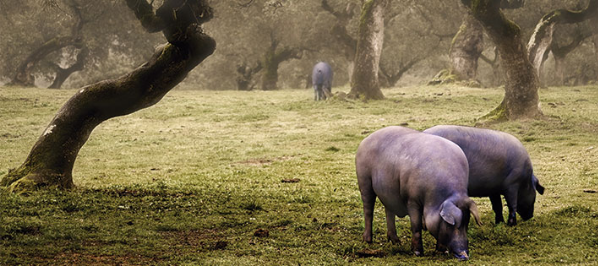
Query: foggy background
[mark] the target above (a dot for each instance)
(418, 36)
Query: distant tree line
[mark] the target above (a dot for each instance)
(271, 44)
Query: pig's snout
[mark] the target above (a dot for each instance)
(462, 256)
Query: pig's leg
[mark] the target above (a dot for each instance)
(415, 215)
(368, 196)
(497, 208)
(327, 91)
(511, 198)
(391, 228)
(315, 92)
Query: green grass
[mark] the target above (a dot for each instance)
(190, 180)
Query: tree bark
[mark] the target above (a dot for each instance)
(392, 78)
(497, 77)
(245, 75)
(272, 60)
(24, 73)
(560, 54)
(348, 44)
(521, 89)
(466, 48)
(51, 159)
(595, 41)
(339, 30)
(369, 47)
(541, 39)
(594, 31)
(62, 74)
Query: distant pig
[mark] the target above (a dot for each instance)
(498, 165)
(322, 81)
(419, 175)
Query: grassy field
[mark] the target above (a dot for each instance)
(202, 179)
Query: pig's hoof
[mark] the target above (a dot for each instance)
(393, 239)
(418, 253)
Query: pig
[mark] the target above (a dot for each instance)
(420, 175)
(498, 165)
(322, 80)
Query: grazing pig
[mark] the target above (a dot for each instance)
(419, 175)
(322, 81)
(498, 165)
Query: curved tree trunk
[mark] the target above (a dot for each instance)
(497, 77)
(466, 49)
(559, 62)
(594, 31)
(245, 75)
(560, 54)
(270, 75)
(24, 74)
(521, 89)
(369, 47)
(51, 159)
(541, 39)
(392, 78)
(348, 44)
(62, 74)
(595, 41)
(272, 60)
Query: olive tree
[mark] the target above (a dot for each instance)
(541, 40)
(50, 161)
(521, 98)
(369, 48)
(70, 42)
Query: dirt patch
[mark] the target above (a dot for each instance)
(90, 259)
(261, 233)
(264, 161)
(209, 239)
(367, 253)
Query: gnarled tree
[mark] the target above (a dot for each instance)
(245, 75)
(521, 98)
(466, 48)
(274, 56)
(369, 48)
(595, 39)
(52, 157)
(560, 52)
(64, 73)
(541, 40)
(24, 74)
(346, 42)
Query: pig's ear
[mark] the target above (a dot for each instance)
(450, 213)
(537, 185)
(474, 211)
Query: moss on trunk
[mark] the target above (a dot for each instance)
(521, 89)
(365, 82)
(466, 48)
(50, 162)
(541, 39)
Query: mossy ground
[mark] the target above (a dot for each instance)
(190, 180)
